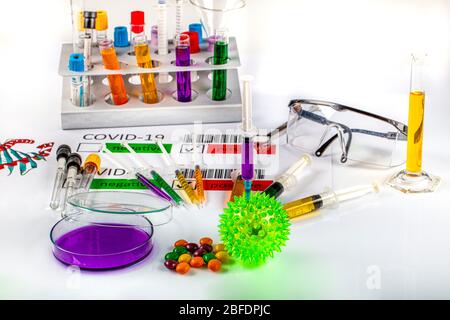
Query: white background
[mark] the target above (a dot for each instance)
(353, 52)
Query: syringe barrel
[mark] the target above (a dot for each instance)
(162, 28)
(247, 166)
(247, 103)
(291, 177)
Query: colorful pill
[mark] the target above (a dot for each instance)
(219, 247)
(197, 262)
(180, 250)
(200, 252)
(207, 247)
(171, 256)
(180, 243)
(192, 247)
(185, 258)
(214, 265)
(182, 268)
(170, 264)
(206, 240)
(222, 256)
(208, 257)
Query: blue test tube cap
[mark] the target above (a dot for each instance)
(197, 27)
(76, 62)
(121, 37)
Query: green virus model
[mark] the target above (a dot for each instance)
(252, 230)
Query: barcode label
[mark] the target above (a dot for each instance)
(214, 138)
(225, 174)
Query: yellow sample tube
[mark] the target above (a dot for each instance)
(415, 131)
(144, 60)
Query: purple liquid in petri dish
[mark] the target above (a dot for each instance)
(183, 59)
(102, 247)
(247, 169)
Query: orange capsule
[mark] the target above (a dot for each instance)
(183, 268)
(180, 243)
(197, 262)
(214, 265)
(206, 240)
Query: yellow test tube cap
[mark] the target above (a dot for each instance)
(94, 159)
(80, 21)
(101, 23)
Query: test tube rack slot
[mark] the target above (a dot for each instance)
(168, 111)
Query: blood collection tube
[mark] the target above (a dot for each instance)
(80, 31)
(144, 60)
(101, 26)
(116, 82)
(137, 27)
(288, 179)
(62, 154)
(183, 59)
(73, 167)
(80, 86)
(219, 89)
(91, 167)
(90, 18)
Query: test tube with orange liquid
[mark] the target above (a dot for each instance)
(116, 82)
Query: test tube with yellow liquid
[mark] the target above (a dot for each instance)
(413, 179)
(144, 60)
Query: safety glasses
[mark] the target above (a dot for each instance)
(320, 126)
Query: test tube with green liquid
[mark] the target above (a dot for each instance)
(219, 90)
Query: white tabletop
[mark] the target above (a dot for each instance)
(387, 246)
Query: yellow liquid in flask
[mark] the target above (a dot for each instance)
(415, 131)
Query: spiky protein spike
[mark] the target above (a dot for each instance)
(253, 230)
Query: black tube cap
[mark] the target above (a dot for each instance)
(63, 151)
(89, 19)
(74, 161)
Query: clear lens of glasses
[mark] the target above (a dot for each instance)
(367, 145)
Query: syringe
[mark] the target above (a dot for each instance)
(162, 36)
(62, 154)
(288, 179)
(305, 206)
(73, 169)
(90, 168)
(190, 194)
(139, 176)
(160, 182)
(247, 167)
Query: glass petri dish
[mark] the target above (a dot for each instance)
(105, 230)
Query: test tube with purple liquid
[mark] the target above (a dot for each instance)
(183, 59)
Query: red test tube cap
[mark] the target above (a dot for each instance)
(137, 21)
(193, 37)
